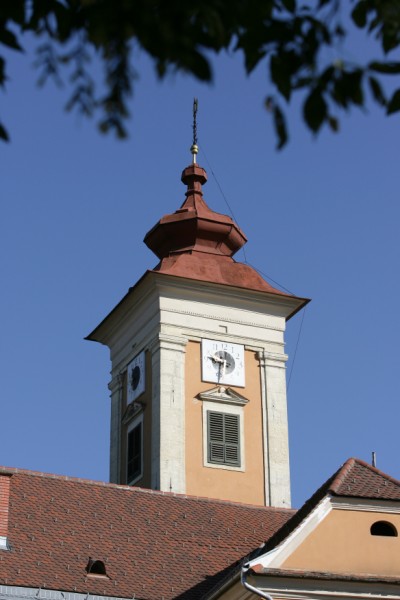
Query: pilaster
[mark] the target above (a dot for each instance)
(275, 428)
(168, 401)
(115, 387)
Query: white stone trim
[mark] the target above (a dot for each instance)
(358, 504)
(115, 387)
(227, 319)
(230, 410)
(265, 436)
(273, 359)
(275, 428)
(292, 588)
(223, 394)
(168, 413)
(277, 556)
(3, 542)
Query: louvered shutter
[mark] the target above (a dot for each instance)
(231, 431)
(223, 438)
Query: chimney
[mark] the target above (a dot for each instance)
(4, 504)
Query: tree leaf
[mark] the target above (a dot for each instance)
(389, 68)
(394, 103)
(3, 76)
(315, 110)
(4, 134)
(280, 127)
(352, 82)
(359, 14)
(9, 39)
(333, 123)
(377, 91)
(280, 76)
(14, 10)
(290, 5)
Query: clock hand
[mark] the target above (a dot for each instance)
(216, 359)
(219, 371)
(223, 368)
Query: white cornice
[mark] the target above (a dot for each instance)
(366, 505)
(317, 588)
(228, 319)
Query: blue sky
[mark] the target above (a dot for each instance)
(322, 219)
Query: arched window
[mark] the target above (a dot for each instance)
(96, 567)
(383, 528)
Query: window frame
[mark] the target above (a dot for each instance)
(229, 409)
(137, 422)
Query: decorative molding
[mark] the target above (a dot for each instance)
(358, 504)
(132, 410)
(177, 343)
(227, 319)
(115, 384)
(272, 359)
(224, 395)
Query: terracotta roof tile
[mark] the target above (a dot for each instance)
(358, 479)
(153, 544)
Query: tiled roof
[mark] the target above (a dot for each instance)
(153, 544)
(358, 479)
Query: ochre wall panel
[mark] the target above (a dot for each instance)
(342, 543)
(239, 486)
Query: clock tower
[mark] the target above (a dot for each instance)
(198, 386)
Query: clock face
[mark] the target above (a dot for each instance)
(136, 377)
(222, 362)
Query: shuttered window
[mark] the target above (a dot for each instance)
(134, 458)
(223, 435)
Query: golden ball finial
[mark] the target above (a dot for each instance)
(194, 149)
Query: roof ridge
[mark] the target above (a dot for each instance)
(340, 475)
(343, 472)
(135, 489)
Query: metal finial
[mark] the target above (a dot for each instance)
(194, 148)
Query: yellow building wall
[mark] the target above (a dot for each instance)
(342, 543)
(239, 486)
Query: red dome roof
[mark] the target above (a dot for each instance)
(195, 227)
(197, 243)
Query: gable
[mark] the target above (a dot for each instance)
(342, 543)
